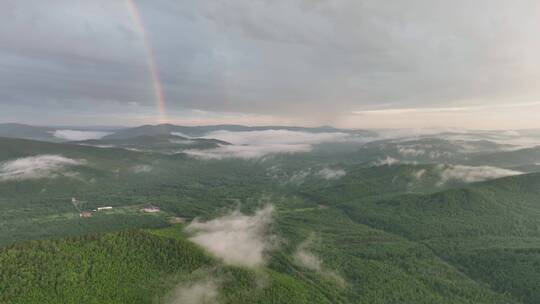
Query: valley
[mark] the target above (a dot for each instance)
(345, 225)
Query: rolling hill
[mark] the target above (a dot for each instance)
(15, 130)
(343, 229)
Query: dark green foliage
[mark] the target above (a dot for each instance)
(132, 267)
(129, 267)
(513, 271)
(380, 234)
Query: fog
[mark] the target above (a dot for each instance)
(470, 174)
(199, 292)
(35, 167)
(258, 144)
(236, 238)
(74, 135)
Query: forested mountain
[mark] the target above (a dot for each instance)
(340, 222)
(15, 130)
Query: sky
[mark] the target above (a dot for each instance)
(345, 63)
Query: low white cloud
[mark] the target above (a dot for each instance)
(257, 144)
(247, 152)
(99, 146)
(328, 173)
(41, 166)
(306, 258)
(417, 150)
(471, 174)
(142, 169)
(276, 137)
(411, 133)
(299, 177)
(79, 135)
(182, 141)
(410, 152)
(180, 134)
(509, 141)
(439, 154)
(388, 161)
(201, 292)
(236, 238)
(418, 174)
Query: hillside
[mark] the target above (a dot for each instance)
(342, 230)
(132, 267)
(522, 158)
(146, 267)
(15, 130)
(489, 230)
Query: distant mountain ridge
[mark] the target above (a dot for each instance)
(16, 130)
(47, 133)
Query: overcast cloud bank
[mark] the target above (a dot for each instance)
(237, 238)
(34, 167)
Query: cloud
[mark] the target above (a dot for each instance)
(411, 133)
(236, 238)
(341, 56)
(35, 167)
(445, 110)
(278, 136)
(246, 152)
(182, 141)
(79, 135)
(258, 144)
(408, 151)
(201, 292)
(299, 177)
(305, 258)
(418, 174)
(142, 169)
(471, 174)
(388, 161)
(328, 173)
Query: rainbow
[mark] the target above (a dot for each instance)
(151, 61)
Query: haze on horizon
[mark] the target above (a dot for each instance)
(346, 63)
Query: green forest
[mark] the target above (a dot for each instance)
(391, 233)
